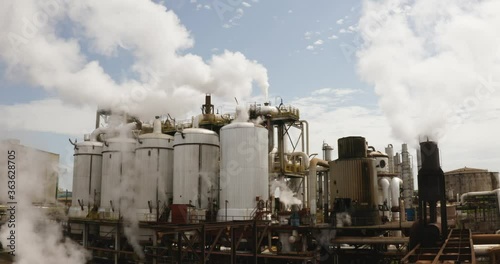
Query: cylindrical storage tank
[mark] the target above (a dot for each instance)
(352, 147)
(196, 167)
(327, 152)
(244, 170)
(356, 179)
(87, 172)
(118, 160)
(155, 168)
(381, 161)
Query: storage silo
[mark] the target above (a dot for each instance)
(244, 170)
(87, 174)
(118, 159)
(154, 167)
(196, 168)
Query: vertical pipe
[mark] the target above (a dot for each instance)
(155, 244)
(179, 247)
(255, 243)
(97, 119)
(117, 243)
(320, 190)
(307, 136)
(203, 242)
(302, 136)
(85, 235)
(270, 136)
(281, 147)
(233, 245)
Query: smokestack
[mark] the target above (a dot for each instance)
(208, 107)
(389, 150)
(406, 177)
(431, 187)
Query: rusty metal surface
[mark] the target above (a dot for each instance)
(457, 248)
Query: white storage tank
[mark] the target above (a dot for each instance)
(381, 160)
(154, 166)
(118, 159)
(196, 167)
(244, 170)
(87, 173)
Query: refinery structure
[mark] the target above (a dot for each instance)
(243, 188)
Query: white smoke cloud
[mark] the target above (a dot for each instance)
(36, 238)
(48, 45)
(286, 195)
(432, 63)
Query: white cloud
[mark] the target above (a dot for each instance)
(325, 110)
(214, 49)
(340, 21)
(161, 68)
(333, 37)
(342, 31)
(48, 115)
(310, 47)
(290, 11)
(318, 42)
(245, 4)
(208, 7)
(336, 92)
(308, 35)
(470, 146)
(444, 55)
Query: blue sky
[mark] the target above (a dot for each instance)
(310, 51)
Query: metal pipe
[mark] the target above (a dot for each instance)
(496, 191)
(307, 132)
(395, 193)
(272, 154)
(304, 158)
(94, 136)
(311, 185)
(482, 239)
(384, 184)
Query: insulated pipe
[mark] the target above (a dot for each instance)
(482, 239)
(312, 185)
(384, 184)
(395, 192)
(272, 154)
(99, 131)
(304, 158)
(496, 191)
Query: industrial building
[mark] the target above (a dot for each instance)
(34, 166)
(466, 180)
(242, 187)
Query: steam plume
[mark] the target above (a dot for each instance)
(431, 62)
(286, 195)
(60, 45)
(37, 239)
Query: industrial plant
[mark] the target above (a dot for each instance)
(243, 187)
